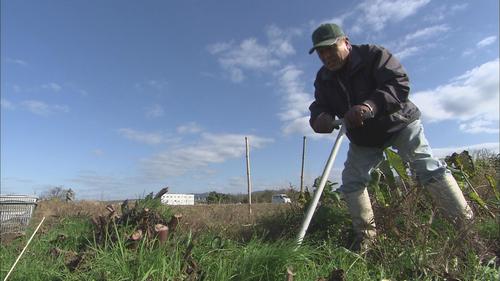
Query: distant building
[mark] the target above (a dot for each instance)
(177, 199)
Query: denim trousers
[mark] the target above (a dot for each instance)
(412, 147)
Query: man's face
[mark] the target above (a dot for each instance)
(334, 56)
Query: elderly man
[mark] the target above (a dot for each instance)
(368, 87)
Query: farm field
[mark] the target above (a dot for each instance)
(145, 240)
(221, 242)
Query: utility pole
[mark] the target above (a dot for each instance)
(249, 183)
(302, 172)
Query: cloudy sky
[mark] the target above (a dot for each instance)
(117, 99)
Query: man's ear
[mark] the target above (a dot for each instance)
(347, 42)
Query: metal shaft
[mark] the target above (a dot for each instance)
(319, 190)
(24, 249)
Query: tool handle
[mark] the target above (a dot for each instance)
(366, 115)
(319, 189)
(338, 122)
(24, 249)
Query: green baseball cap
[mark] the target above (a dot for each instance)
(326, 35)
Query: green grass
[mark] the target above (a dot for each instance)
(412, 248)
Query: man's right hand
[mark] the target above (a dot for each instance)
(324, 123)
(356, 116)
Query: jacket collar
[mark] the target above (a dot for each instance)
(353, 65)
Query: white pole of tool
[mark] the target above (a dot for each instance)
(324, 178)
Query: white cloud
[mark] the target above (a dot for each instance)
(5, 104)
(425, 33)
(375, 14)
(83, 92)
(156, 84)
(486, 41)
(98, 152)
(251, 55)
(296, 100)
(235, 184)
(458, 7)
(219, 47)
(42, 108)
(407, 52)
(479, 45)
(142, 137)
(299, 126)
(438, 14)
(68, 87)
(468, 52)
(480, 125)
(95, 185)
(189, 128)
(17, 61)
(279, 40)
(446, 151)
(294, 113)
(210, 149)
(471, 99)
(418, 41)
(52, 87)
(154, 111)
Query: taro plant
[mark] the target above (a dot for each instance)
(463, 168)
(390, 179)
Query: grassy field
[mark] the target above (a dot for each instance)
(144, 240)
(222, 242)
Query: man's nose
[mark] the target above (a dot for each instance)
(325, 54)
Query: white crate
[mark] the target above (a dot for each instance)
(177, 199)
(16, 212)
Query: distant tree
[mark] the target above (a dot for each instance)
(236, 198)
(263, 196)
(58, 192)
(217, 198)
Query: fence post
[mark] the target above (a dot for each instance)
(249, 183)
(302, 171)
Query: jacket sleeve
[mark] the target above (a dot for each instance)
(392, 83)
(319, 104)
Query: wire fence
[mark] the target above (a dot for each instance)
(16, 212)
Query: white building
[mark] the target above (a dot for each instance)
(177, 199)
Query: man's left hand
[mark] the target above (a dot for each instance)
(356, 115)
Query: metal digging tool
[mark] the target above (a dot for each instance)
(324, 178)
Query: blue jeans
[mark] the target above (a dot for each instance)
(411, 145)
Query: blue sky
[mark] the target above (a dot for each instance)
(116, 99)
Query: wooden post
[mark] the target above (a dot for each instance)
(249, 183)
(302, 172)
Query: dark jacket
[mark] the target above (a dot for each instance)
(374, 76)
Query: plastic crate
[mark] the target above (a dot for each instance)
(16, 212)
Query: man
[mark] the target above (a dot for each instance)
(367, 86)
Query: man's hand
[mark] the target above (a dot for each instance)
(324, 123)
(356, 115)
